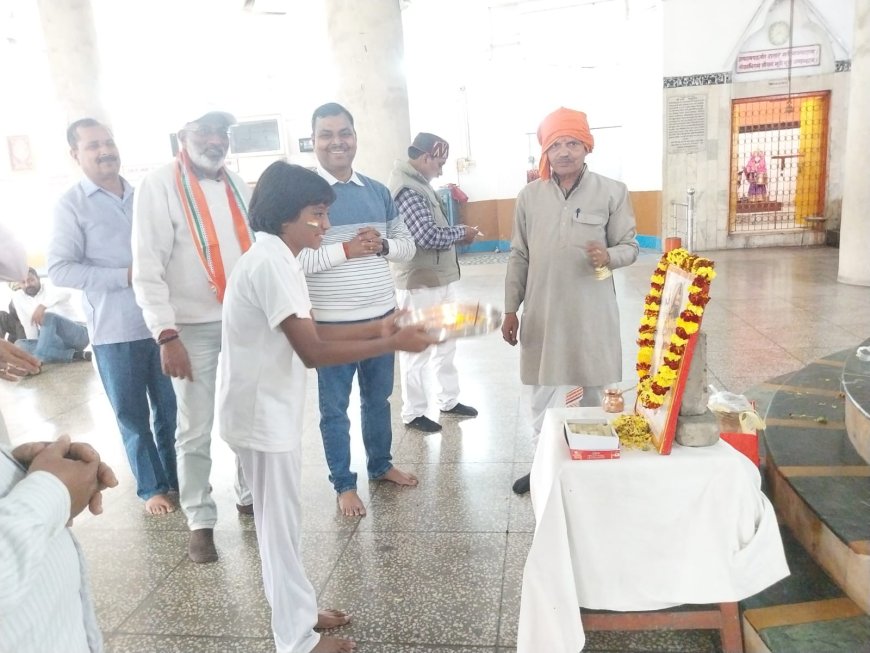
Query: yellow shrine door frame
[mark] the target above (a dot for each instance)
(779, 153)
(813, 153)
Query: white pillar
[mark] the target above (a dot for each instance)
(855, 220)
(73, 57)
(367, 46)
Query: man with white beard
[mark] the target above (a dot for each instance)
(190, 226)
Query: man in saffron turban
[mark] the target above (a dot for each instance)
(571, 227)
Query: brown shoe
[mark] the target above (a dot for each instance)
(200, 547)
(245, 509)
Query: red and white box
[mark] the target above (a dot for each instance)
(591, 439)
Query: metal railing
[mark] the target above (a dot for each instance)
(689, 205)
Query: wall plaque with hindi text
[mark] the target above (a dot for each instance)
(687, 123)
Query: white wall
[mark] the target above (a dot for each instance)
(481, 73)
(702, 36)
(198, 54)
(742, 25)
(163, 63)
(29, 109)
(501, 69)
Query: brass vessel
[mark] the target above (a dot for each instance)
(613, 401)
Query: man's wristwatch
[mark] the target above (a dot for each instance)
(385, 247)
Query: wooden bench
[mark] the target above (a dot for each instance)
(724, 617)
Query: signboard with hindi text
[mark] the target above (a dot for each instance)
(778, 59)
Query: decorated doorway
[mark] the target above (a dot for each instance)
(779, 151)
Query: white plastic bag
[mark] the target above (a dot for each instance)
(721, 401)
(730, 405)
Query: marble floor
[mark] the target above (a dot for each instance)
(432, 569)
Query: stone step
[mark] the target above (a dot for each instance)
(820, 486)
(804, 613)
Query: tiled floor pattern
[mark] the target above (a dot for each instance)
(432, 569)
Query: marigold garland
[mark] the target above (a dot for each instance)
(651, 391)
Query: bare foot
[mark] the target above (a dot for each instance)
(351, 505)
(331, 619)
(397, 476)
(159, 504)
(334, 645)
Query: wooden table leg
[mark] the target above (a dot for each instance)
(731, 630)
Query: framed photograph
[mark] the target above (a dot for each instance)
(675, 297)
(672, 317)
(20, 154)
(306, 145)
(257, 136)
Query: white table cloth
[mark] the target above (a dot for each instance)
(642, 532)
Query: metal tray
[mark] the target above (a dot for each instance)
(455, 320)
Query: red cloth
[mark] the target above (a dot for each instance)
(457, 193)
(562, 122)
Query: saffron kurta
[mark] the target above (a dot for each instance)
(569, 327)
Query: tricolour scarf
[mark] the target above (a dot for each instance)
(201, 224)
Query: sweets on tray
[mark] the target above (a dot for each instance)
(591, 439)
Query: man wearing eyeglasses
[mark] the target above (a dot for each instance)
(428, 279)
(571, 227)
(190, 226)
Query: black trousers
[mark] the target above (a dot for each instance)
(10, 324)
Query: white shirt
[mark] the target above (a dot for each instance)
(45, 600)
(55, 300)
(169, 280)
(332, 180)
(262, 379)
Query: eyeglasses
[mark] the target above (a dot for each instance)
(205, 131)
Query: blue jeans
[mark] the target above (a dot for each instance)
(59, 339)
(132, 378)
(375, 386)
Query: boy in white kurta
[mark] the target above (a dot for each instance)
(268, 340)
